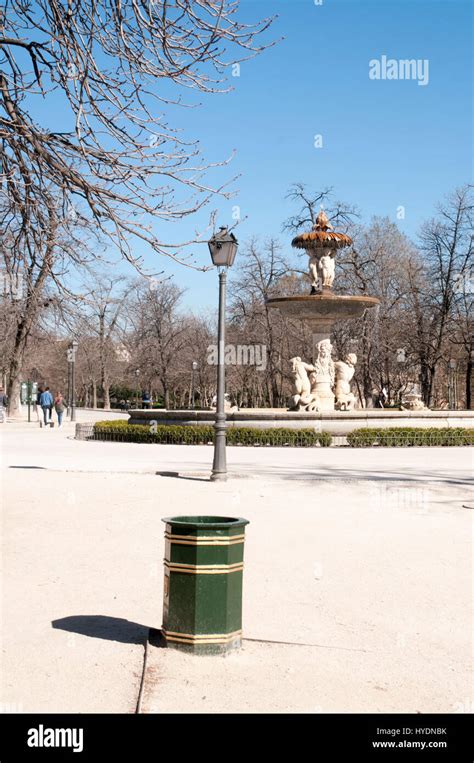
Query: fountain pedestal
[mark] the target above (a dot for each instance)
(320, 312)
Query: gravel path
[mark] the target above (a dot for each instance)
(361, 561)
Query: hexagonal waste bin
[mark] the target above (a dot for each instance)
(202, 601)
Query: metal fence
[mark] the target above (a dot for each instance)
(192, 435)
(202, 435)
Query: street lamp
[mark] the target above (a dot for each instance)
(223, 248)
(401, 356)
(452, 402)
(193, 370)
(68, 393)
(137, 375)
(71, 357)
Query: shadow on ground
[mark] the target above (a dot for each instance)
(101, 626)
(27, 467)
(180, 476)
(335, 473)
(352, 475)
(156, 638)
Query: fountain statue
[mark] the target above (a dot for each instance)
(323, 385)
(322, 258)
(302, 383)
(345, 370)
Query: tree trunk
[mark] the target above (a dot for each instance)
(94, 394)
(270, 392)
(30, 313)
(425, 383)
(431, 379)
(106, 394)
(13, 394)
(16, 364)
(469, 385)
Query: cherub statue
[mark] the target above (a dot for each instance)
(314, 271)
(322, 377)
(302, 383)
(322, 260)
(345, 370)
(323, 365)
(327, 267)
(322, 222)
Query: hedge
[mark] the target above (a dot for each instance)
(409, 437)
(202, 435)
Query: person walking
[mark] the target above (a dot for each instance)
(38, 404)
(46, 403)
(3, 405)
(59, 407)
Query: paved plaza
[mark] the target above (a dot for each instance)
(357, 582)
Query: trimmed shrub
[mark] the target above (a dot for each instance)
(121, 431)
(410, 437)
(362, 438)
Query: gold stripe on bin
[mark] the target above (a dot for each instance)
(204, 540)
(203, 638)
(204, 569)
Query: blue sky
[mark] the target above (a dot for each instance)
(386, 143)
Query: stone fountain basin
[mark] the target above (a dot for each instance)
(326, 306)
(335, 422)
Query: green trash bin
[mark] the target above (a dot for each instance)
(202, 597)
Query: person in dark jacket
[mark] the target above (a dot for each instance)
(3, 405)
(46, 403)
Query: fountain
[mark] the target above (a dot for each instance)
(322, 398)
(314, 382)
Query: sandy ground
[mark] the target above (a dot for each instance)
(359, 560)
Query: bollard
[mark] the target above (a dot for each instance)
(202, 597)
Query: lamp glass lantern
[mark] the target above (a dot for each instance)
(223, 248)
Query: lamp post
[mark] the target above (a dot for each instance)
(223, 248)
(452, 402)
(29, 390)
(401, 360)
(137, 376)
(71, 356)
(193, 370)
(68, 393)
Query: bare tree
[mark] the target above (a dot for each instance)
(33, 257)
(99, 319)
(259, 276)
(378, 263)
(159, 332)
(447, 242)
(119, 161)
(116, 162)
(463, 334)
(309, 204)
